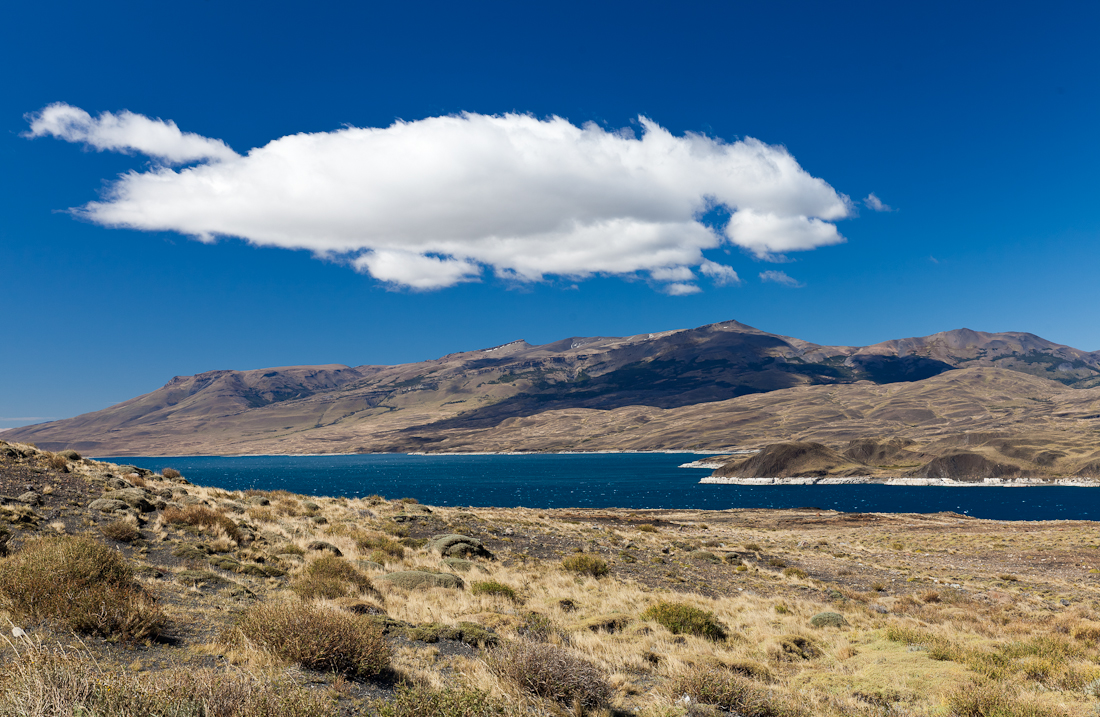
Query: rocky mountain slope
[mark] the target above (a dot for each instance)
(522, 397)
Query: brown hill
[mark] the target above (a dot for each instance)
(782, 460)
(706, 388)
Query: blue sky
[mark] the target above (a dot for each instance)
(975, 123)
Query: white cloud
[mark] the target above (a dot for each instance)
(416, 270)
(781, 278)
(431, 203)
(674, 273)
(720, 273)
(127, 132)
(876, 204)
(680, 289)
(767, 234)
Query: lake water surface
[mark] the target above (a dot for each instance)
(600, 480)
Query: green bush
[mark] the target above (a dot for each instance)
(471, 633)
(314, 637)
(494, 588)
(586, 564)
(549, 672)
(683, 619)
(331, 577)
(426, 702)
(81, 583)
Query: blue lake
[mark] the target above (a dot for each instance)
(615, 480)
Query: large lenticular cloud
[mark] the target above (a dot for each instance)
(431, 203)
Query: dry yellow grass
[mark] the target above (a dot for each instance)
(945, 633)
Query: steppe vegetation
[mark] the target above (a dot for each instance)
(126, 593)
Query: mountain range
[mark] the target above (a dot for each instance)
(711, 388)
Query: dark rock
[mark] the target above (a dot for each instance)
(109, 505)
(420, 579)
(320, 545)
(459, 546)
(134, 497)
(462, 566)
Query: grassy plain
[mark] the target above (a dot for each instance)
(269, 603)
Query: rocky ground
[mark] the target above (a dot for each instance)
(955, 582)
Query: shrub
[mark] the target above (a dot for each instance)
(681, 618)
(538, 627)
(331, 577)
(586, 564)
(796, 647)
(469, 632)
(427, 702)
(315, 637)
(492, 587)
(647, 528)
(58, 462)
(828, 619)
(380, 544)
(171, 473)
(82, 583)
(202, 517)
(796, 573)
(754, 547)
(121, 530)
(42, 682)
(549, 672)
(729, 691)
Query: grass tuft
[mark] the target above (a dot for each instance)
(81, 583)
(121, 530)
(314, 637)
(550, 672)
(585, 564)
(42, 682)
(330, 577)
(200, 516)
(730, 692)
(494, 588)
(427, 702)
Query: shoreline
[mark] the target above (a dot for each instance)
(935, 482)
(429, 455)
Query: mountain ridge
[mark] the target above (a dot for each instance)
(339, 408)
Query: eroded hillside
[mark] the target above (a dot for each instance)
(700, 389)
